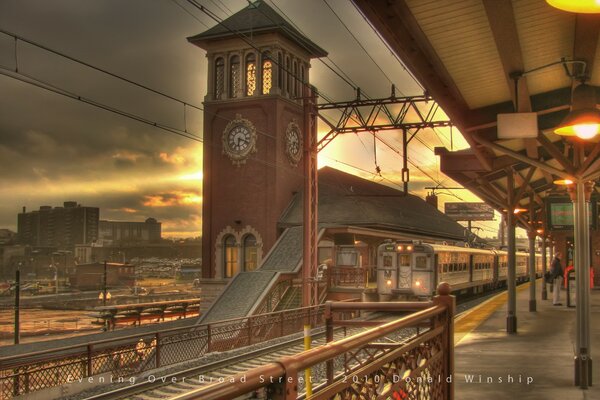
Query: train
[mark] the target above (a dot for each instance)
(411, 269)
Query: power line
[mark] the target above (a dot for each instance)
(190, 13)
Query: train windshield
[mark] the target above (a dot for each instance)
(404, 260)
(387, 261)
(347, 258)
(421, 262)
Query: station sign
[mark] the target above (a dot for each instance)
(560, 213)
(469, 211)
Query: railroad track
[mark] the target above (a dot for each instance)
(169, 385)
(166, 386)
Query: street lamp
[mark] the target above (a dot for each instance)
(584, 119)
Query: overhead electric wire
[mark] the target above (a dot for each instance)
(190, 13)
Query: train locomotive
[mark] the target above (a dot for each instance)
(407, 269)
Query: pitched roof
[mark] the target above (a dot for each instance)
(348, 200)
(258, 17)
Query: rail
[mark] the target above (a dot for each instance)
(134, 354)
(358, 277)
(373, 365)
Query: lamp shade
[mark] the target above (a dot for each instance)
(584, 119)
(576, 6)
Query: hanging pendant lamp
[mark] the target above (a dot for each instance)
(584, 119)
(576, 6)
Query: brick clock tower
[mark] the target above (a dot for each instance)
(253, 135)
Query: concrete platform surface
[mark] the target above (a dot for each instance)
(535, 363)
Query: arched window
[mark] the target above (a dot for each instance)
(250, 74)
(295, 81)
(267, 74)
(250, 250)
(288, 72)
(235, 81)
(219, 78)
(279, 71)
(302, 81)
(230, 258)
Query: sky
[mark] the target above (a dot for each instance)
(55, 149)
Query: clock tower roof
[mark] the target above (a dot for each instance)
(258, 17)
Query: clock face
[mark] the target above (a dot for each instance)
(239, 140)
(293, 143)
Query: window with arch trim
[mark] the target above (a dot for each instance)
(295, 81)
(288, 73)
(250, 251)
(267, 74)
(219, 78)
(235, 81)
(250, 74)
(230, 256)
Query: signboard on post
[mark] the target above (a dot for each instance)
(560, 213)
(469, 211)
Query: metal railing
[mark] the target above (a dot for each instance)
(135, 354)
(357, 277)
(365, 366)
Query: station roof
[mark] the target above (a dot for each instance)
(466, 54)
(348, 200)
(258, 17)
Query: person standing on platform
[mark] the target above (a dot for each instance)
(557, 273)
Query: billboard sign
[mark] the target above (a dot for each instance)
(469, 211)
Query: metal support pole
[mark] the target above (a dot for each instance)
(104, 283)
(17, 306)
(532, 302)
(583, 361)
(405, 171)
(511, 282)
(544, 269)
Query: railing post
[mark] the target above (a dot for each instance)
(249, 331)
(329, 338)
(90, 364)
(208, 339)
(157, 349)
(445, 299)
(281, 324)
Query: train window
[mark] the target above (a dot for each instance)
(387, 261)
(404, 260)
(420, 262)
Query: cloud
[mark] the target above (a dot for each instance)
(173, 198)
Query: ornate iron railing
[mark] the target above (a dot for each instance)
(368, 365)
(357, 277)
(274, 296)
(132, 355)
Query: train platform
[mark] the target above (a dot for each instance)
(535, 363)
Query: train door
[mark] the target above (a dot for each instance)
(387, 273)
(404, 272)
(423, 274)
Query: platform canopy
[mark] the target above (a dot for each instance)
(466, 53)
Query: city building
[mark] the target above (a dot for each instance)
(91, 276)
(127, 232)
(60, 227)
(7, 236)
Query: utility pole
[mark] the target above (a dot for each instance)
(17, 305)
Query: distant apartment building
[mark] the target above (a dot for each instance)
(59, 227)
(126, 232)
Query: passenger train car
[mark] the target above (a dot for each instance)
(409, 269)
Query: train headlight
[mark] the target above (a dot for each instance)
(389, 282)
(418, 283)
(400, 247)
(409, 248)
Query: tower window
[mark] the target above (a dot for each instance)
(267, 71)
(230, 258)
(302, 81)
(250, 74)
(219, 78)
(295, 92)
(279, 71)
(288, 72)
(250, 253)
(235, 82)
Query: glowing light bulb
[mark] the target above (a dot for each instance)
(586, 131)
(389, 282)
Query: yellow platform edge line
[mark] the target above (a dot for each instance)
(470, 320)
